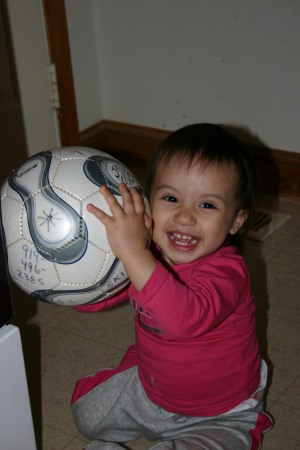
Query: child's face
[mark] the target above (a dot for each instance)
(193, 209)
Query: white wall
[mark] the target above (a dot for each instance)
(84, 61)
(166, 63)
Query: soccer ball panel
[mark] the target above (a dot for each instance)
(81, 153)
(67, 179)
(86, 271)
(28, 269)
(56, 229)
(97, 232)
(11, 219)
(74, 297)
(31, 176)
(51, 222)
(64, 196)
(113, 275)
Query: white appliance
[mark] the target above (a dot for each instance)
(16, 426)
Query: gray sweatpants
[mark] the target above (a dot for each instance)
(118, 411)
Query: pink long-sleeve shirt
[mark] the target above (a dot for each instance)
(196, 346)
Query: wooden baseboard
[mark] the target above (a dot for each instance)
(279, 170)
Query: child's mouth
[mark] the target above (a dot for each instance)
(182, 241)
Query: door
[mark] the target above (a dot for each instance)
(59, 53)
(33, 35)
(12, 136)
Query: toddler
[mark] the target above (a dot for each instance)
(194, 378)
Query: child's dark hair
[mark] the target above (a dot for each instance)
(208, 144)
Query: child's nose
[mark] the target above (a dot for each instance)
(185, 216)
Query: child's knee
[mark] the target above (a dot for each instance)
(84, 419)
(97, 401)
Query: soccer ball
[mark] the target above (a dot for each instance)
(57, 251)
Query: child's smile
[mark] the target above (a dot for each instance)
(183, 242)
(193, 209)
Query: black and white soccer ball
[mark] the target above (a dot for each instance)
(57, 251)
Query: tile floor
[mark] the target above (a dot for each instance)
(61, 345)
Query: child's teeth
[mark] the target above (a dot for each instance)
(183, 237)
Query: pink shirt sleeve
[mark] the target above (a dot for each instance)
(201, 299)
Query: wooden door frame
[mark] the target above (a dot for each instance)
(60, 55)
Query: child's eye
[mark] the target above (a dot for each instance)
(207, 205)
(170, 198)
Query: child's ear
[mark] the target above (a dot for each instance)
(239, 221)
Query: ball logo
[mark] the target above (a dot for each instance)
(120, 174)
(48, 219)
(24, 172)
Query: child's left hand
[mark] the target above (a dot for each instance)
(128, 229)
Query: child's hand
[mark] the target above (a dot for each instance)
(129, 228)
(128, 231)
